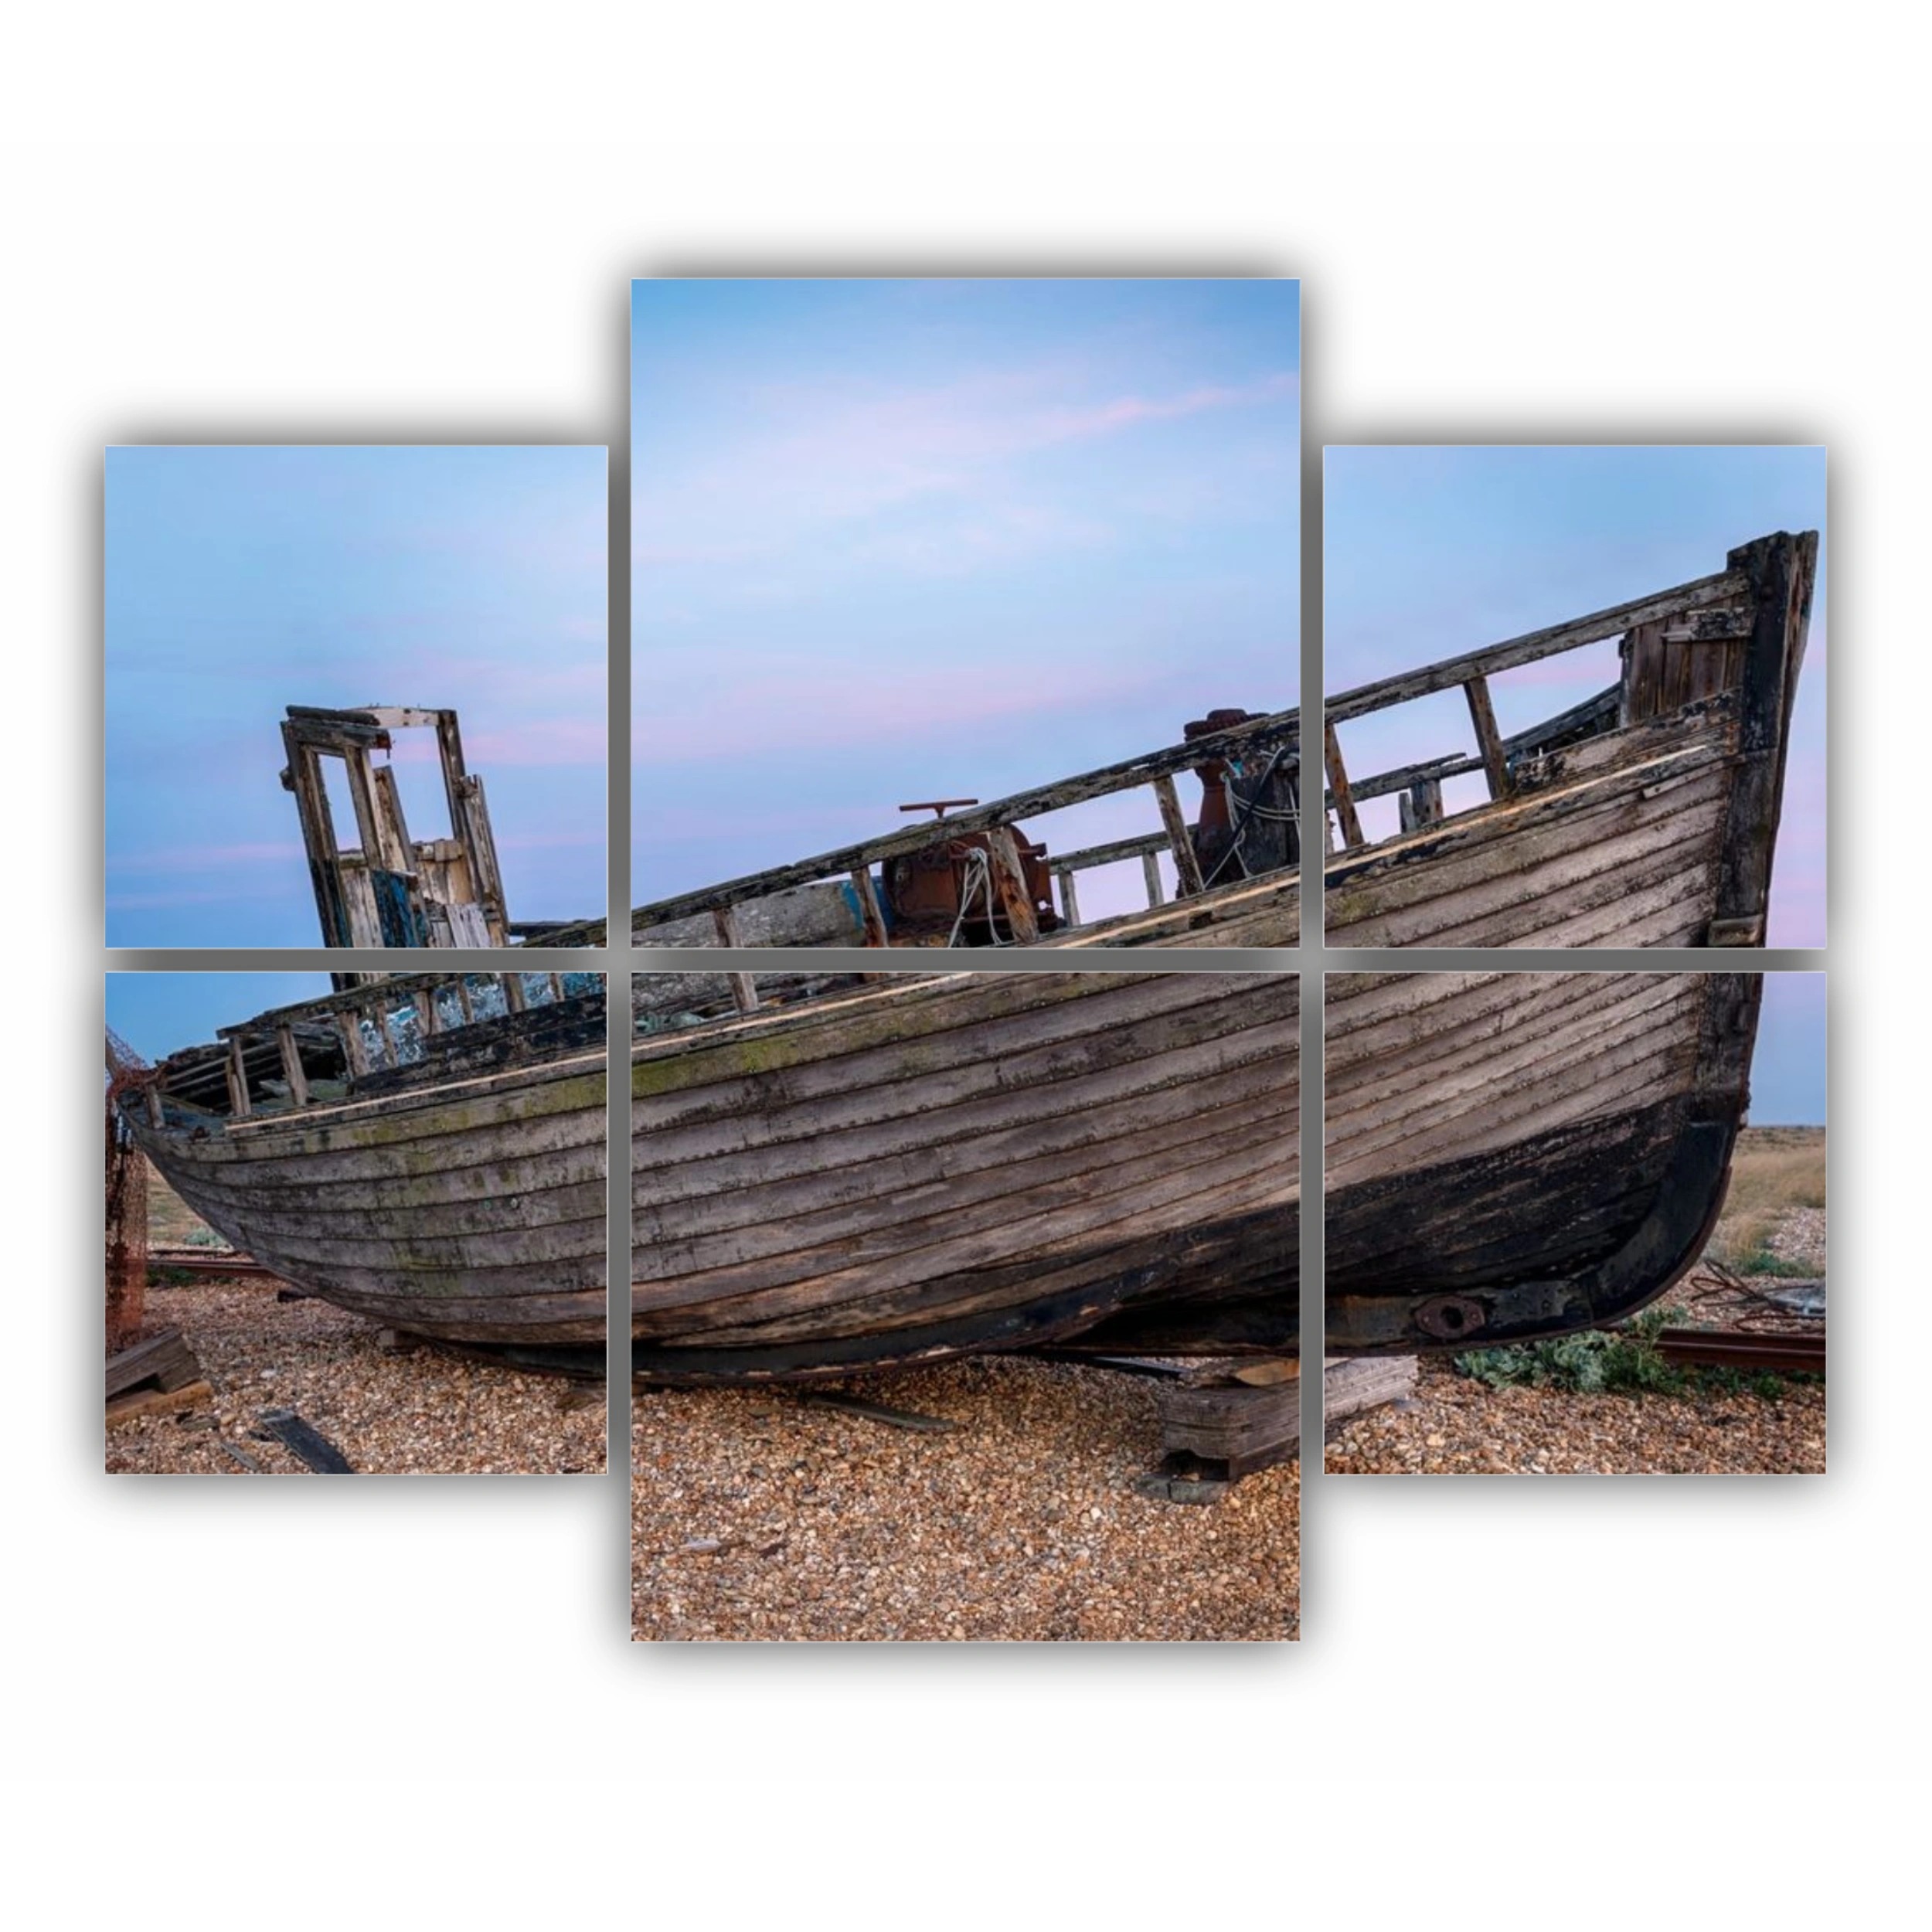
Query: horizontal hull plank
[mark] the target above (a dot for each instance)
(995, 1189)
(1155, 1195)
(1511, 875)
(1230, 1252)
(1259, 1084)
(1435, 1074)
(1172, 1048)
(885, 1041)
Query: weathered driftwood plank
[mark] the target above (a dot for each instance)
(1242, 1428)
(305, 1442)
(1351, 1387)
(164, 1359)
(157, 1402)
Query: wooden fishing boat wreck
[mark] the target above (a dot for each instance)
(1511, 1155)
(1646, 816)
(900, 1171)
(426, 1150)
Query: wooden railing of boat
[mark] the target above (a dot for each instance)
(1756, 609)
(371, 1025)
(1277, 732)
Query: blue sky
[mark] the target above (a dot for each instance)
(240, 580)
(898, 539)
(1788, 1068)
(158, 1014)
(1430, 551)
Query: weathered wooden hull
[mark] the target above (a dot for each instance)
(1511, 1155)
(473, 1211)
(1645, 818)
(942, 1166)
(1617, 841)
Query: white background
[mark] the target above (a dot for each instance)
(295, 1701)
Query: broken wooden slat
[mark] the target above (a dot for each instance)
(164, 1359)
(1244, 1429)
(304, 1442)
(1338, 787)
(237, 1081)
(292, 1066)
(157, 1402)
(1151, 871)
(871, 918)
(1421, 805)
(1187, 866)
(1351, 1385)
(1482, 714)
(875, 1411)
(1069, 902)
(350, 1025)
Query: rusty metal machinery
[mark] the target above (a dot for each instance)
(975, 890)
(1250, 820)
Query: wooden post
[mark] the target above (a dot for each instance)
(425, 1002)
(556, 987)
(514, 996)
(1338, 784)
(1151, 872)
(349, 1024)
(1187, 868)
(1069, 904)
(1421, 805)
(1483, 717)
(155, 1117)
(237, 1080)
(292, 1066)
(870, 915)
(1009, 884)
(744, 991)
(463, 999)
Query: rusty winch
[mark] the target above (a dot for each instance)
(966, 889)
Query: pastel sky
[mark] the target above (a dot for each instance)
(240, 580)
(158, 1014)
(898, 540)
(1429, 552)
(1788, 1068)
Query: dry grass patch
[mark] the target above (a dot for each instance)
(1777, 1175)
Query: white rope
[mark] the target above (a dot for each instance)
(979, 878)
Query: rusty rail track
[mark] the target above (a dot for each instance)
(202, 1261)
(1721, 1349)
